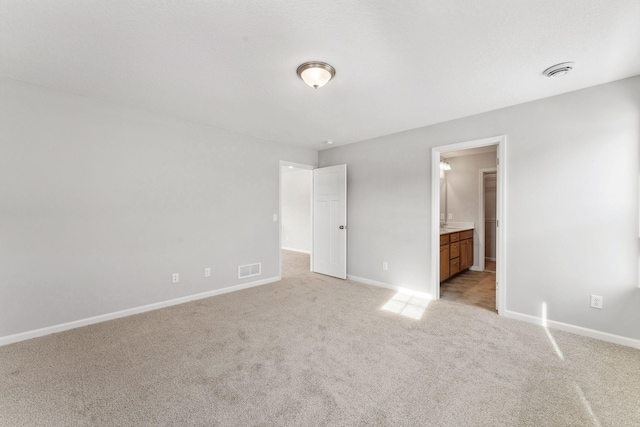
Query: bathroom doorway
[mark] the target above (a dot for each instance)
(462, 223)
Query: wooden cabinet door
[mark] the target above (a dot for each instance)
(466, 254)
(444, 262)
(463, 254)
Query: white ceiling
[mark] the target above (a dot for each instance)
(400, 65)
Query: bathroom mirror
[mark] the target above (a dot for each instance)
(443, 197)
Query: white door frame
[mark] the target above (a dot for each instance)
(300, 166)
(501, 185)
(480, 227)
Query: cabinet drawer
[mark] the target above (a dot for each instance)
(444, 239)
(454, 237)
(455, 250)
(454, 266)
(466, 234)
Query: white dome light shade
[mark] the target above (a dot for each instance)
(316, 74)
(315, 77)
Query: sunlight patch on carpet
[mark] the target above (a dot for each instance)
(587, 405)
(546, 329)
(407, 304)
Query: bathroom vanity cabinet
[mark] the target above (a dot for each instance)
(456, 252)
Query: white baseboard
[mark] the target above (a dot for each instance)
(302, 251)
(10, 339)
(475, 268)
(389, 286)
(578, 330)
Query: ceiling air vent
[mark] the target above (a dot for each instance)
(559, 70)
(249, 270)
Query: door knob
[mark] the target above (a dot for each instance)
(342, 227)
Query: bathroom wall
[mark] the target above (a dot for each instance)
(463, 192)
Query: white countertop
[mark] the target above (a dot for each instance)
(455, 227)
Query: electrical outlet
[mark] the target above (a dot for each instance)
(450, 216)
(596, 301)
(385, 266)
(207, 272)
(175, 278)
(441, 216)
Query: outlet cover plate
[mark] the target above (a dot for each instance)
(596, 301)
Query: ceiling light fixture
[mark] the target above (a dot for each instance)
(559, 70)
(316, 73)
(444, 164)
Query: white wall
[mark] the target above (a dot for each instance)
(463, 199)
(100, 204)
(296, 209)
(572, 217)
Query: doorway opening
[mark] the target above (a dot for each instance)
(467, 194)
(296, 214)
(326, 227)
(488, 207)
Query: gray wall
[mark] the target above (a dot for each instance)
(572, 212)
(296, 209)
(100, 204)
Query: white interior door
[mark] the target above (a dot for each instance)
(330, 221)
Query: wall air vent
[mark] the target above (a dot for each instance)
(249, 270)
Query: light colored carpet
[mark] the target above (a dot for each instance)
(313, 351)
(295, 263)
